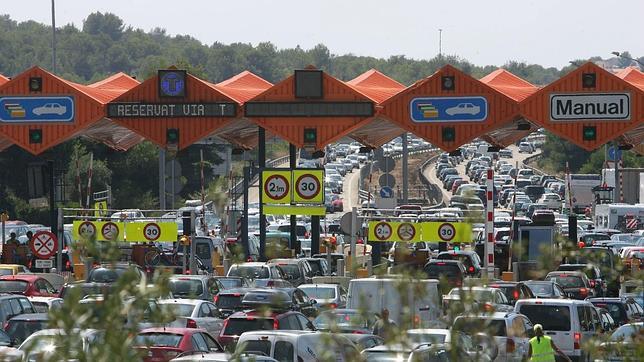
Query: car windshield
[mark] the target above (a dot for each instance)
(237, 326)
(158, 339)
(230, 283)
(13, 286)
(19, 330)
(442, 269)
(250, 272)
(551, 317)
(566, 280)
(541, 289)
(319, 292)
(327, 320)
(186, 287)
(291, 269)
(494, 327)
(256, 347)
(229, 301)
(104, 275)
(180, 310)
(433, 338)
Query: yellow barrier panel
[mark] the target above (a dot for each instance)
(452, 232)
(294, 210)
(98, 230)
(151, 231)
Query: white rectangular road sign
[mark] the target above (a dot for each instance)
(590, 106)
(44, 263)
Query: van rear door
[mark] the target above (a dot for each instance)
(555, 319)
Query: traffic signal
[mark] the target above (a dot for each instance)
(449, 134)
(310, 136)
(172, 136)
(589, 133)
(588, 80)
(35, 84)
(447, 83)
(35, 135)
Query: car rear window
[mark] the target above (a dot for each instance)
(551, 317)
(186, 287)
(251, 272)
(21, 329)
(158, 339)
(567, 281)
(104, 275)
(435, 270)
(494, 327)
(230, 283)
(320, 292)
(13, 286)
(181, 310)
(541, 289)
(229, 301)
(460, 257)
(291, 269)
(616, 310)
(237, 326)
(6, 271)
(262, 348)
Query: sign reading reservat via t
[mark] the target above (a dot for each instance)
(152, 110)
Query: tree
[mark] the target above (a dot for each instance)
(108, 23)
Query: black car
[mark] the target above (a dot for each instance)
(110, 273)
(470, 260)
(229, 301)
(593, 273)
(575, 284)
(281, 299)
(453, 272)
(22, 326)
(623, 310)
(546, 289)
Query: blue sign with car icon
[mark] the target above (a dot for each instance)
(36, 109)
(448, 109)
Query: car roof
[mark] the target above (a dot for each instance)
(28, 277)
(258, 314)
(180, 301)
(571, 272)
(318, 285)
(171, 330)
(182, 276)
(31, 317)
(550, 301)
(429, 330)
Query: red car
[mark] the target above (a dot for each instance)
(28, 285)
(164, 344)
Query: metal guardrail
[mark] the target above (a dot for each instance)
(434, 191)
(536, 171)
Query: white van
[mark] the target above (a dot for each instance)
(570, 323)
(293, 346)
(420, 307)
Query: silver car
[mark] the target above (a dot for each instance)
(194, 313)
(326, 295)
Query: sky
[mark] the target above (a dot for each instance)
(491, 32)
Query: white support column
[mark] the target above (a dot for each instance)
(489, 224)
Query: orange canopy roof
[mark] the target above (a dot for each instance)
(102, 93)
(3, 79)
(633, 76)
(375, 85)
(243, 86)
(509, 84)
(119, 81)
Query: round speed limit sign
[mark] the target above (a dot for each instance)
(382, 231)
(446, 232)
(307, 186)
(276, 187)
(151, 231)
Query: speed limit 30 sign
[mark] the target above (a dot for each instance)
(308, 186)
(151, 231)
(446, 232)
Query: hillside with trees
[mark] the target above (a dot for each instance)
(105, 45)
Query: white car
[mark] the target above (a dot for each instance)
(552, 201)
(194, 313)
(463, 108)
(50, 108)
(44, 304)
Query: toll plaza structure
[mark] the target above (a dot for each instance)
(39, 110)
(588, 106)
(634, 135)
(375, 131)
(173, 109)
(450, 108)
(517, 89)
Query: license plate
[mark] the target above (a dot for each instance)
(44, 263)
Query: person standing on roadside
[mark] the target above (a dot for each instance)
(542, 348)
(384, 326)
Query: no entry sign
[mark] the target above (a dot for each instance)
(43, 244)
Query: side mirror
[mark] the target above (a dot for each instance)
(313, 301)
